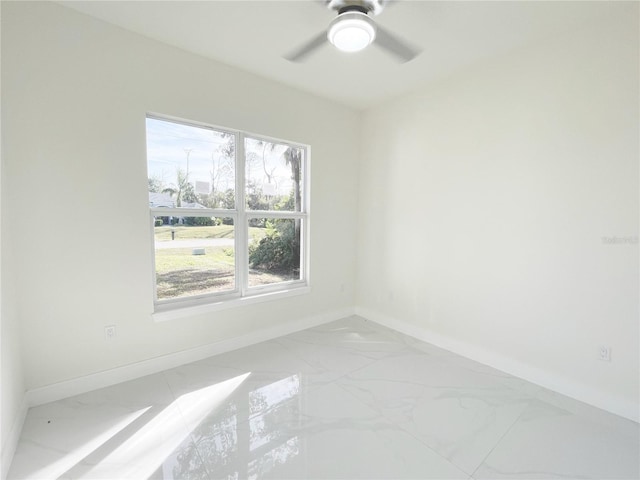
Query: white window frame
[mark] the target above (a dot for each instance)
(242, 294)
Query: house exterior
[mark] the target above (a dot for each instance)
(161, 200)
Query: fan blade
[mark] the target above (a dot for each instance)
(301, 53)
(395, 45)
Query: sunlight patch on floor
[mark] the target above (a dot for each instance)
(58, 468)
(141, 455)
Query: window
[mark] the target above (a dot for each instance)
(229, 214)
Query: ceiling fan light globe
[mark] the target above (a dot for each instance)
(351, 32)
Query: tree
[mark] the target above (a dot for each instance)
(189, 194)
(181, 188)
(222, 170)
(293, 158)
(271, 147)
(155, 184)
(227, 198)
(279, 250)
(251, 158)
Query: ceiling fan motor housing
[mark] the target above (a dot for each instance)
(365, 6)
(352, 30)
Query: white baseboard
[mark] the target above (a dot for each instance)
(543, 378)
(76, 386)
(9, 448)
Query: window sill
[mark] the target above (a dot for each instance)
(177, 311)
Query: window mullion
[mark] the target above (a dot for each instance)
(153, 257)
(274, 214)
(242, 228)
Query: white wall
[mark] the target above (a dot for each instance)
(484, 202)
(12, 407)
(12, 387)
(75, 93)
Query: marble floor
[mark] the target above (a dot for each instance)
(349, 399)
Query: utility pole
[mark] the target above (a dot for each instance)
(188, 152)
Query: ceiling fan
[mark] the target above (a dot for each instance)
(353, 30)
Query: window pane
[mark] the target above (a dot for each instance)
(189, 166)
(274, 176)
(195, 256)
(274, 250)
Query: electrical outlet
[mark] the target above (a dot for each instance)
(604, 353)
(109, 332)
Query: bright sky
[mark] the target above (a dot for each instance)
(170, 144)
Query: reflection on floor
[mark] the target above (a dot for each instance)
(349, 399)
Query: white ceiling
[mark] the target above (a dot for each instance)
(254, 35)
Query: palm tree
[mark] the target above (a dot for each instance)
(180, 188)
(293, 158)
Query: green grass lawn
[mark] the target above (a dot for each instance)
(171, 259)
(179, 272)
(219, 231)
